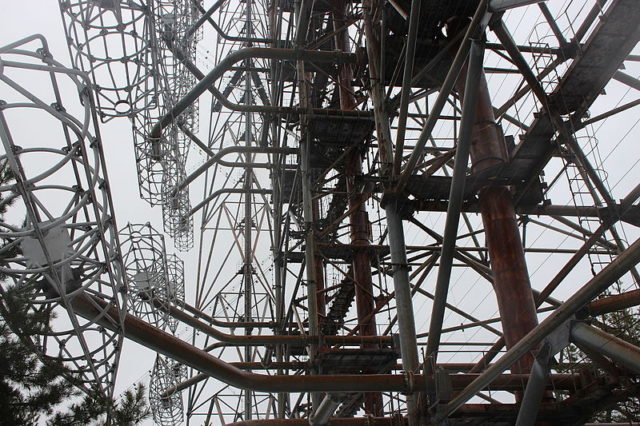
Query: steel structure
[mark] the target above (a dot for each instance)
(68, 244)
(410, 212)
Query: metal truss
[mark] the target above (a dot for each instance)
(167, 409)
(145, 260)
(112, 42)
(175, 287)
(406, 211)
(67, 247)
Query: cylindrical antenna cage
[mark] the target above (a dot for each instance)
(145, 261)
(175, 211)
(150, 156)
(59, 240)
(167, 410)
(156, 159)
(112, 40)
(175, 287)
(173, 19)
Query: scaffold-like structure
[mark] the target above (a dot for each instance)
(419, 212)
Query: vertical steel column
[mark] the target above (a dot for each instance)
(302, 10)
(248, 183)
(319, 274)
(511, 279)
(358, 219)
(533, 394)
(404, 305)
(276, 178)
(471, 78)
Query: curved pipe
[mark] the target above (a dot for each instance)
(263, 109)
(260, 340)
(141, 332)
(230, 150)
(246, 53)
(219, 192)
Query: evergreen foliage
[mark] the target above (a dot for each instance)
(41, 390)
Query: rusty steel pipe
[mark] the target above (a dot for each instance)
(259, 340)
(510, 276)
(614, 303)
(358, 421)
(164, 343)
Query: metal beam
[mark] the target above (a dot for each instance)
(409, 53)
(225, 64)
(445, 90)
(503, 5)
(533, 394)
(456, 194)
(402, 288)
(599, 283)
(164, 343)
(621, 352)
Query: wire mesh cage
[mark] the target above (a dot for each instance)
(66, 248)
(167, 407)
(111, 40)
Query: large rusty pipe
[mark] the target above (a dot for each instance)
(615, 302)
(358, 421)
(505, 382)
(139, 331)
(510, 276)
(260, 340)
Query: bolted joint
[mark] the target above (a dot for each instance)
(409, 381)
(398, 267)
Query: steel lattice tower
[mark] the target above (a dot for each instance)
(405, 212)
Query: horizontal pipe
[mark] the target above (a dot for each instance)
(537, 210)
(618, 350)
(357, 421)
(139, 331)
(260, 340)
(505, 382)
(616, 302)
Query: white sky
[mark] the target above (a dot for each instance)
(22, 18)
